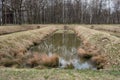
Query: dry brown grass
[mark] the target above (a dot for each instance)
(38, 60)
(106, 28)
(10, 62)
(50, 61)
(99, 61)
(16, 45)
(93, 54)
(107, 44)
(18, 28)
(87, 53)
(113, 30)
(34, 60)
(84, 54)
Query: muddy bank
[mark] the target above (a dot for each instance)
(108, 45)
(13, 47)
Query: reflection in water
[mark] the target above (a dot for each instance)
(65, 45)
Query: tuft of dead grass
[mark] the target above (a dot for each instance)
(93, 54)
(50, 61)
(83, 54)
(34, 60)
(109, 45)
(38, 60)
(106, 28)
(15, 46)
(9, 63)
(87, 51)
(99, 61)
(13, 29)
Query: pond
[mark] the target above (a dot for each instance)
(64, 44)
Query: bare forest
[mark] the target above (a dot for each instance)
(60, 11)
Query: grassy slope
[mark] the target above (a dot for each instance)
(117, 34)
(111, 29)
(7, 29)
(110, 45)
(18, 28)
(18, 42)
(57, 74)
(14, 47)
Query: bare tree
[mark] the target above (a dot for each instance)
(63, 11)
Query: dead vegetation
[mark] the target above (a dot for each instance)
(99, 61)
(37, 59)
(13, 47)
(84, 54)
(13, 29)
(93, 54)
(109, 45)
(34, 60)
(115, 29)
(111, 29)
(88, 51)
(50, 61)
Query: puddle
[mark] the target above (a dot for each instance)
(65, 45)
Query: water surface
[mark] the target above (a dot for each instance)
(65, 45)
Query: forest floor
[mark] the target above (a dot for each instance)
(52, 74)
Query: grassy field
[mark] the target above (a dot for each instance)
(117, 34)
(8, 29)
(111, 29)
(18, 28)
(57, 74)
(19, 42)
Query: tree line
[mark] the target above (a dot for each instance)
(62, 11)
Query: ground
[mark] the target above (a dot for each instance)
(57, 74)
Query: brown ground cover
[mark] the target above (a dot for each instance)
(14, 47)
(108, 45)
